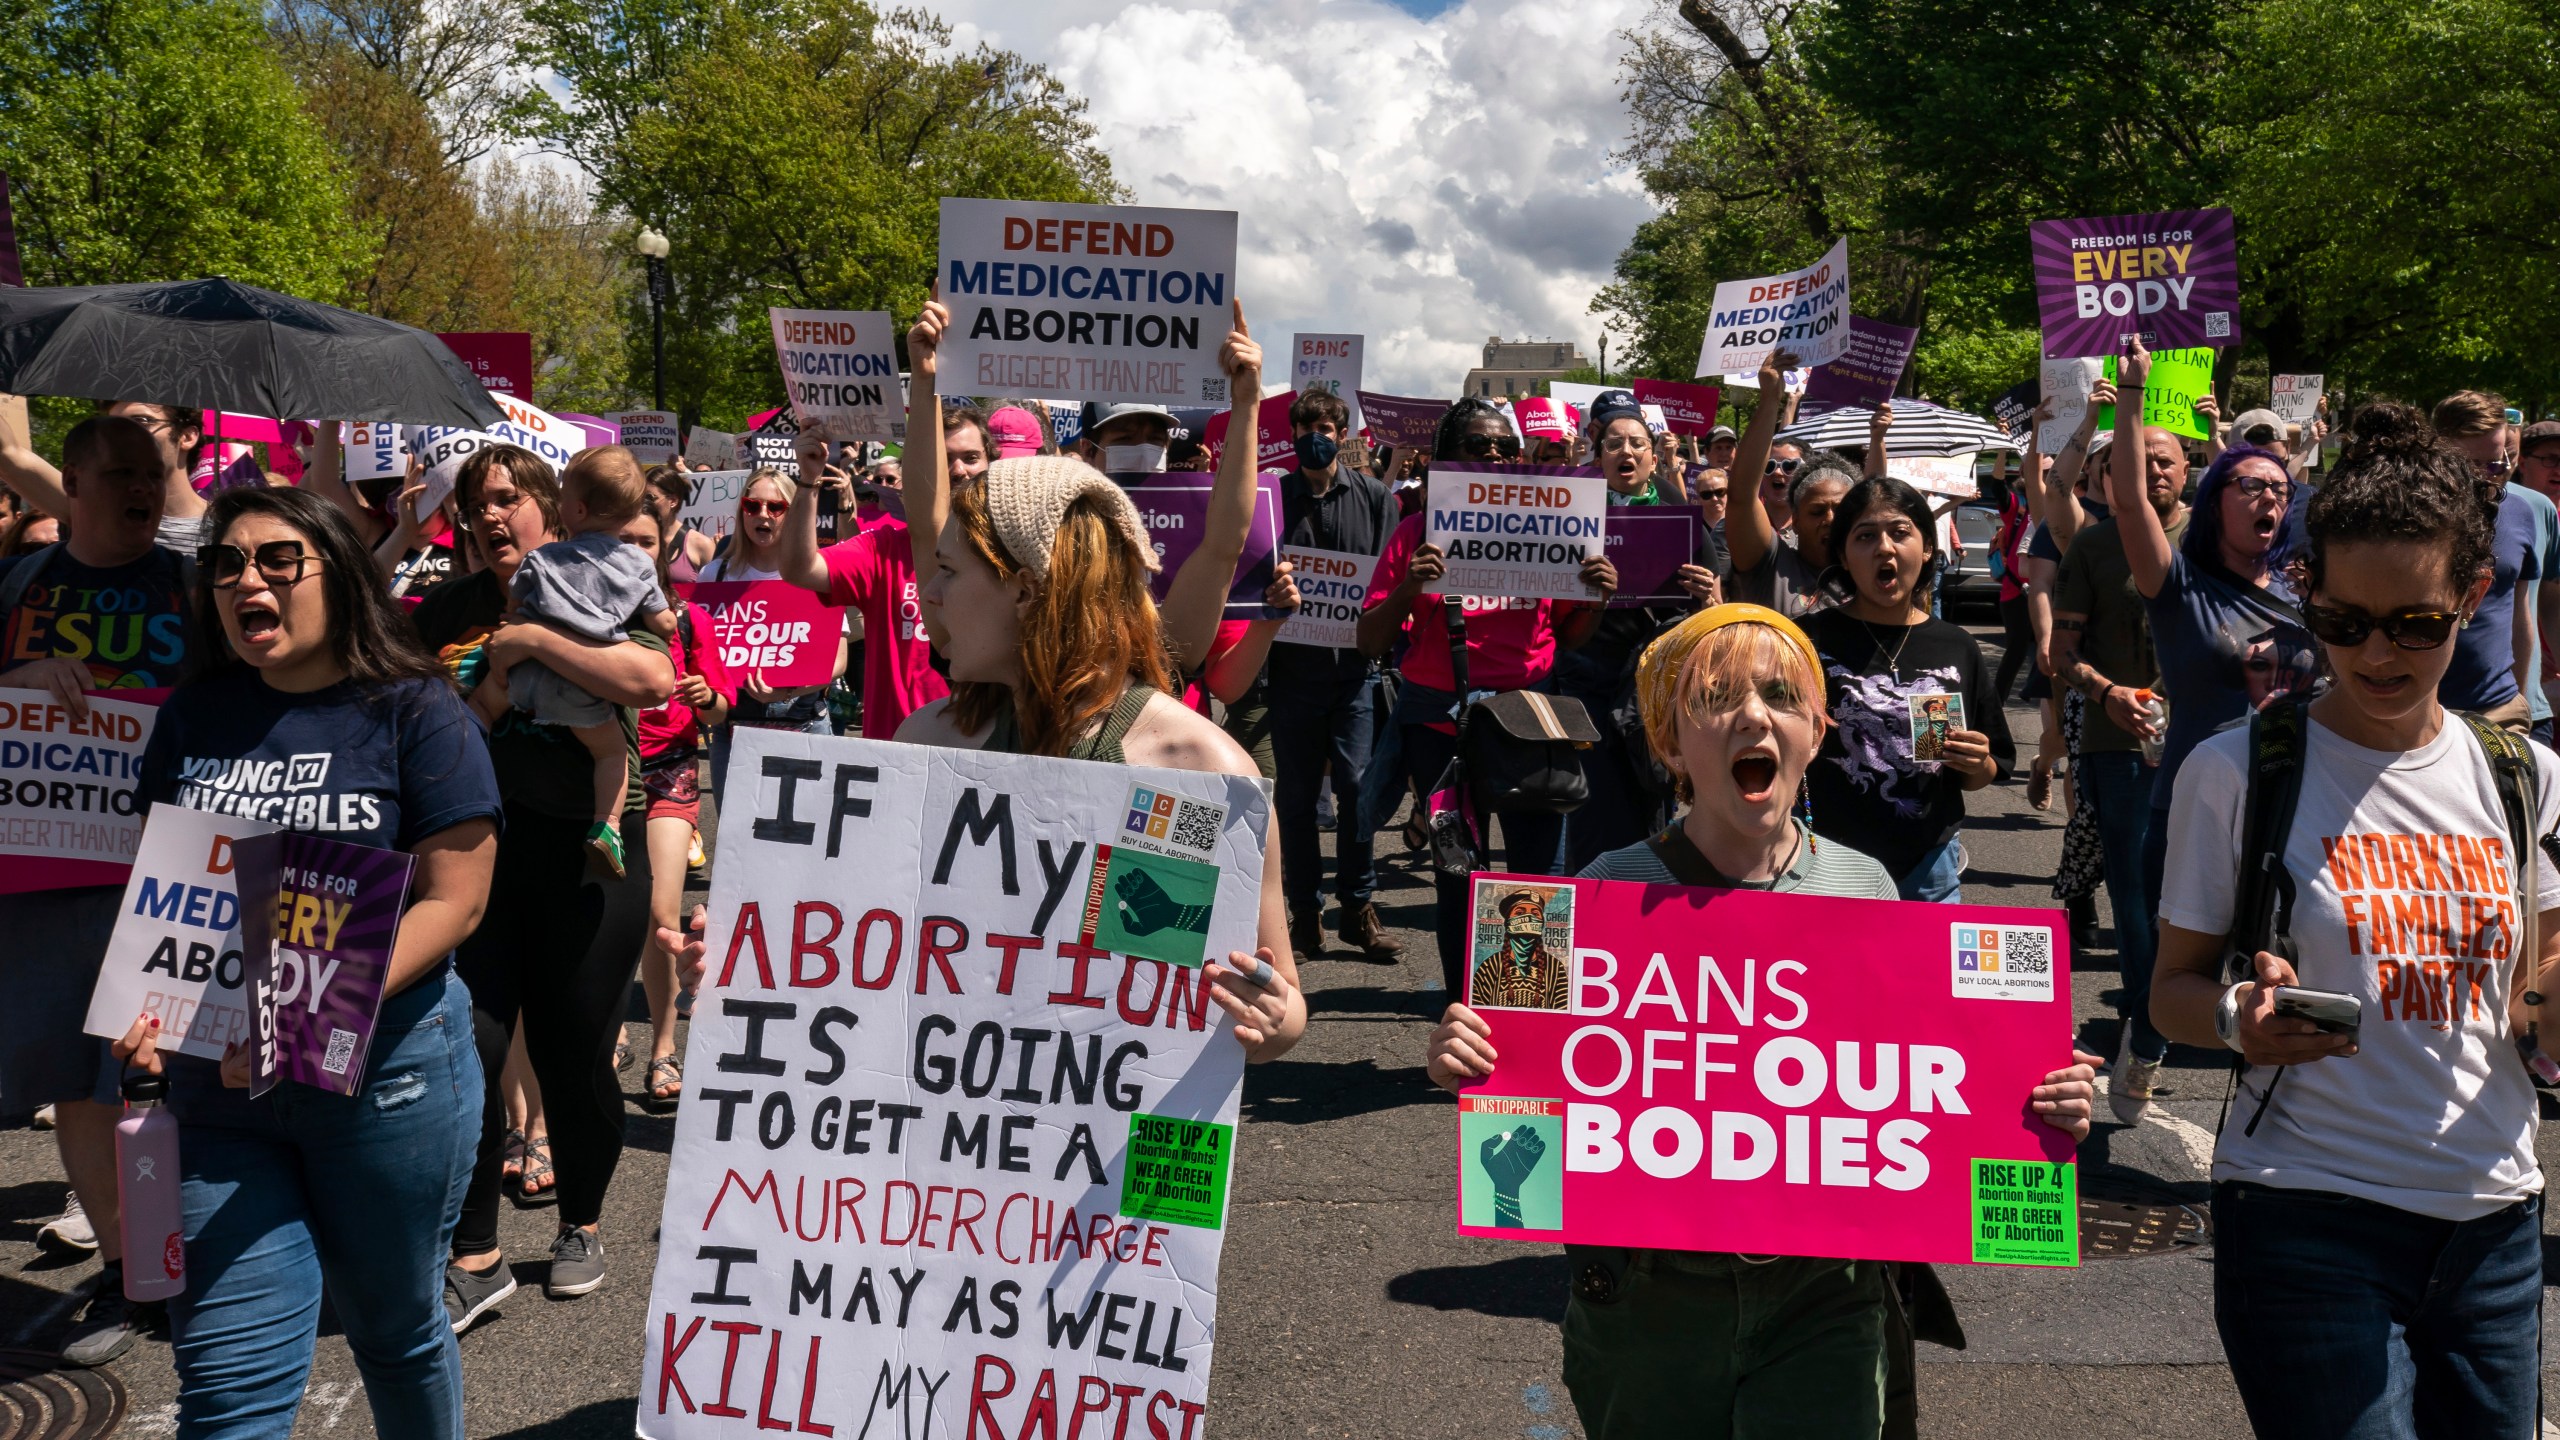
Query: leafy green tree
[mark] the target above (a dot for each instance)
(161, 140)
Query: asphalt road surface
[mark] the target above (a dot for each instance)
(1347, 1306)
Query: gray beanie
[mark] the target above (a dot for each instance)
(1027, 500)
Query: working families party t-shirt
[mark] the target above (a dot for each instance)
(2406, 898)
(126, 623)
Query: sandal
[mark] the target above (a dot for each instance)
(511, 1163)
(622, 1054)
(540, 1186)
(2040, 784)
(666, 1084)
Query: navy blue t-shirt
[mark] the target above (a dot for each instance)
(2226, 649)
(2483, 673)
(387, 765)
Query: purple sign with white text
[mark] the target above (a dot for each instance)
(1649, 544)
(319, 918)
(2173, 276)
(1401, 420)
(1865, 375)
(1174, 506)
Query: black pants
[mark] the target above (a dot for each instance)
(2017, 645)
(1529, 847)
(558, 946)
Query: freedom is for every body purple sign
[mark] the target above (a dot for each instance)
(1174, 506)
(320, 917)
(2171, 276)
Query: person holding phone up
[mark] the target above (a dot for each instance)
(2377, 1205)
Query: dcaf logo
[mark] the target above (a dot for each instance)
(306, 772)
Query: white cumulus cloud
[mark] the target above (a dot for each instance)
(1424, 182)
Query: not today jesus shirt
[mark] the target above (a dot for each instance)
(126, 624)
(2405, 898)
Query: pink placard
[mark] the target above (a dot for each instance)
(1542, 419)
(503, 359)
(1274, 445)
(1762, 1074)
(772, 630)
(1687, 409)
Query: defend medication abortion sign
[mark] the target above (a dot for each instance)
(650, 435)
(1743, 1072)
(1333, 586)
(176, 953)
(1086, 302)
(2171, 276)
(1516, 530)
(956, 1163)
(1804, 312)
(771, 629)
(841, 367)
(68, 812)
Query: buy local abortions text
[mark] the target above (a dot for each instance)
(946, 1166)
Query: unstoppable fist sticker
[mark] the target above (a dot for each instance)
(1155, 907)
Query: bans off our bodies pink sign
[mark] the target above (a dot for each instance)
(1770, 1074)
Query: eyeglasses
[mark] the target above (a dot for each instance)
(1782, 467)
(764, 507)
(1483, 445)
(2494, 469)
(2254, 486)
(2410, 629)
(1616, 444)
(1718, 493)
(279, 562)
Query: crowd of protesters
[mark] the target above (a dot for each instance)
(2383, 616)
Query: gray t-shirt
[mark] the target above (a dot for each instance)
(1820, 867)
(1782, 581)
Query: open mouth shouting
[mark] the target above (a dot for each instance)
(1755, 774)
(259, 620)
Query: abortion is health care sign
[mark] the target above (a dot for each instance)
(68, 812)
(1804, 312)
(321, 919)
(841, 367)
(1086, 302)
(961, 1158)
(2171, 276)
(1515, 530)
(771, 629)
(1764, 1074)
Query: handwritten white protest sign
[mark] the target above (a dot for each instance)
(713, 510)
(710, 449)
(958, 1157)
(1516, 530)
(1333, 585)
(1804, 312)
(2296, 398)
(1086, 302)
(841, 366)
(1332, 361)
(2066, 384)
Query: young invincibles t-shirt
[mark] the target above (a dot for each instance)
(875, 573)
(1511, 642)
(2406, 898)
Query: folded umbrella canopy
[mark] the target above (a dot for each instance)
(220, 345)
(1919, 429)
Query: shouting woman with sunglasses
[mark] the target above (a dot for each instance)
(2223, 626)
(300, 1190)
(2377, 1203)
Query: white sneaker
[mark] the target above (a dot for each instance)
(2132, 1084)
(70, 1229)
(44, 1117)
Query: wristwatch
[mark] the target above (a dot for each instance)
(2226, 1015)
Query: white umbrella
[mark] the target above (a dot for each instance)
(1919, 428)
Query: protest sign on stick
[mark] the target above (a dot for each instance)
(1332, 361)
(68, 810)
(773, 630)
(1173, 505)
(1741, 1072)
(841, 367)
(710, 449)
(2170, 276)
(443, 448)
(2179, 378)
(176, 953)
(1687, 409)
(1804, 312)
(1333, 587)
(1086, 302)
(1520, 531)
(2296, 398)
(959, 1161)
(1865, 374)
(1401, 420)
(2066, 383)
(713, 510)
(320, 918)
(650, 435)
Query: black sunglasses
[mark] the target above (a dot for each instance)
(279, 562)
(1488, 444)
(2410, 629)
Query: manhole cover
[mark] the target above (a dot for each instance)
(39, 1400)
(2117, 1229)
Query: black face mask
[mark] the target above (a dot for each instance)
(1315, 451)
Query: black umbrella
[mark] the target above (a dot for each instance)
(221, 345)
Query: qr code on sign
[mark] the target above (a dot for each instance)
(342, 1048)
(1172, 824)
(2217, 324)
(2001, 962)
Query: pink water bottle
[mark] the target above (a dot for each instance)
(153, 1221)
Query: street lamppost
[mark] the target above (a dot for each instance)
(653, 248)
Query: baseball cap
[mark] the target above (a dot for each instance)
(2535, 433)
(2246, 427)
(1722, 432)
(1097, 414)
(1611, 405)
(1016, 432)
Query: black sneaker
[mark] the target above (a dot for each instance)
(108, 1323)
(468, 1295)
(577, 1264)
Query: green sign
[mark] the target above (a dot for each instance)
(2179, 378)
(1177, 1170)
(2026, 1212)
(1149, 905)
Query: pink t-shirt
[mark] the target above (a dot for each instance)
(875, 572)
(671, 724)
(1511, 642)
(1195, 693)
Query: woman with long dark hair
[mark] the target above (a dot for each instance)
(301, 1190)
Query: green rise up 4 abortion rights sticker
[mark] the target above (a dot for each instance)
(2026, 1212)
(1177, 1170)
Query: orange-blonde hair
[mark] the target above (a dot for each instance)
(1708, 662)
(1091, 631)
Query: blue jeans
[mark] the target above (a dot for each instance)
(1333, 719)
(302, 1189)
(2118, 787)
(1939, 877)
(2344, 1319)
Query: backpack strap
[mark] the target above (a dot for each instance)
(2262, 910)
(21, 576)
